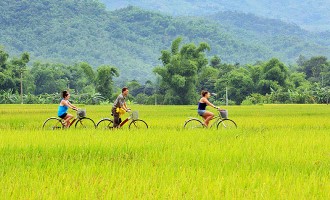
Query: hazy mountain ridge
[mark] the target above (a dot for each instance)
(312, 15)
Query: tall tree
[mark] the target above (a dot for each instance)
(104, 80)
(180, 70)
(6, 79)
(314, 67)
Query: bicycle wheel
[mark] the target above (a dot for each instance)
(138, 124)
(105, 124)
(85, 123)
(193, 124)
(53, 123)
(226, 124)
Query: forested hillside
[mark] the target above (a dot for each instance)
(311, 14)
(131, 39)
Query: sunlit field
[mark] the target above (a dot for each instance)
(277, 152)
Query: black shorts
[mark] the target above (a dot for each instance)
(63, 116)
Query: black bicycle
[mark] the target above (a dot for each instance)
(136, 123)
(221, 121)
(80, 122)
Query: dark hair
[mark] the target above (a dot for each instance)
(204, 92)
(124, 89)
(65, 93)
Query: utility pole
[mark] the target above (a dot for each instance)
(21, 72)
(21, 64)
(226, 96)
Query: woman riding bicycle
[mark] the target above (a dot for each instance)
(203, 102)
(63, 108)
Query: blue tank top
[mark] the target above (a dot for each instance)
(62, 110)
(201, 106)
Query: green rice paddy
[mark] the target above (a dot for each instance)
(277, 152)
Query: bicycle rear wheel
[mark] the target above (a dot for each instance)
(193, 124)
(138, 124)
(53, 123)
(105, 124)
(226, 124)
(85, 123)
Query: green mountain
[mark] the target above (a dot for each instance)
(312, 15)
(131, 39)
(284, 40)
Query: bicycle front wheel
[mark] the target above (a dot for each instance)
(138, 124)
(226, 124)
(85, 123)
(53, 123)
(105, 124)
(193, 124)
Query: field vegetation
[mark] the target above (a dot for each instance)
(277, 152)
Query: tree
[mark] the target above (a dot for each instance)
(239, 85)
(215, 62)
(3, 59)
(180, 70)
(104, 82)
(276, 71)
(298, 79)
(6, 74)
(49, 78)
(314, 67)
(88, 70)
(207, 78)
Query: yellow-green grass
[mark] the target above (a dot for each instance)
(277, 152)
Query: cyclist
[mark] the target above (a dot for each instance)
(63, 108)
(203, 102)
(118, 106)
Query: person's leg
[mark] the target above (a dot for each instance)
(67, 119)
(115, 118)
(207, 117)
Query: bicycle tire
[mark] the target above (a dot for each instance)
(85, 123)
(106, 124)
(226, 124)
(53, 123)
(138, 124)
(193, 124)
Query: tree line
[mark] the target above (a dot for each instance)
(43, 82)
(185, 71)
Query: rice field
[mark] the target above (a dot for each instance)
(277, 152)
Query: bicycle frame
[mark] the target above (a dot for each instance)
(217, 119)
(135, 122)
(72, 122)
(125, 121)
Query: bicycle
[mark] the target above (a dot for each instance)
(136, 123)
(221, 121)
(82, 122)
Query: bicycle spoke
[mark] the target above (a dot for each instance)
(105, 124)
(227, 124)
(138, 124)
(85, 123)
(193, 124)
(53, 124)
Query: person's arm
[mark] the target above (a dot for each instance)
(67, 103)
(125, 107)
(210, 104)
